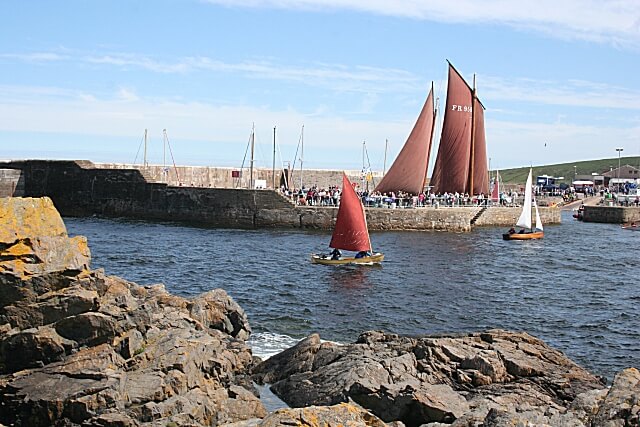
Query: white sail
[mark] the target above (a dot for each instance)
(538, 221)
(525, 217)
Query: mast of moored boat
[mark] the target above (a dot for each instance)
(384, 165)
(364, 178)
(273, 169)
(253, 141)
(301, 153)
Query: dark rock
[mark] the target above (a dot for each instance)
(50, 307)
(428, 379)
(87, 328)
(216, 310)
(31, 348)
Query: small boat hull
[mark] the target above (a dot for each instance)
(631, 227)
(523, 236)
(368, 260)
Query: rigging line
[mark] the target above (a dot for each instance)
(382, 156)
(243, 160)
(366, 152)
(175, 168)
(295, 157)
(286, 177)
(256, 150)
(138, 152)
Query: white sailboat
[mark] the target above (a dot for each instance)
(525, 220)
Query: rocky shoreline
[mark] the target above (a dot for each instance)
(81, 348)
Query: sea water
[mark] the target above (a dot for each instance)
(577, 289)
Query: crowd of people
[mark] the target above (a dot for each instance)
(313, 196)
(317, 196)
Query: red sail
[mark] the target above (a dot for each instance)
(409, 171)
(451, 171)
(351, 232)
(480, 168)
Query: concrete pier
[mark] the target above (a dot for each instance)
(611, 214)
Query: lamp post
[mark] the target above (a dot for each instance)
(619, 150)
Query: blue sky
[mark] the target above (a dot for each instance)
(83, 79)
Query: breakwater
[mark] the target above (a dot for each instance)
(11, 183)
(611, 214)
(78, 188)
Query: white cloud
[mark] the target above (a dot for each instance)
(126, 114)
(136, 61)
(127, 95)
(35, 57)
(372, 81)
(572, 93)
(606, 21)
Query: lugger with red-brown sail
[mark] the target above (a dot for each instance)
(461, 162)
(408, 172)
(350, 232)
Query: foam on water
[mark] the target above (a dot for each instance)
(266, 344)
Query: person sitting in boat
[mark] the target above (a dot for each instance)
(363, 254)
(512, 230)
(521, 231)
(336, 254)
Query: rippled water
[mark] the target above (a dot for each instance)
(577, 289)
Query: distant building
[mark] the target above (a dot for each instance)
(626, 174)
(545, 180)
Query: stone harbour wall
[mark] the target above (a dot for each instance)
(11, 183)
(222, 177)
(611, 214)
(507, 216)
(77, 188)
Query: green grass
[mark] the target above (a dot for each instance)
(566, 170)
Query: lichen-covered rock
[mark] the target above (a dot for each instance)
(343, 414)
(26, 217)
(78, 347)
(34, 241)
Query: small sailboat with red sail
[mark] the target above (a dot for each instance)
(524, 220)
(350, 232)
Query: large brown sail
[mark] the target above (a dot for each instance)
(480, 168)
(451, 170)
(409, 170)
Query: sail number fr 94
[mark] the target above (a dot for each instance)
(464, 108)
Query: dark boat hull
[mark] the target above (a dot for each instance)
(368, 260)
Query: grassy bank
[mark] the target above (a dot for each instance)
(566, 170)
